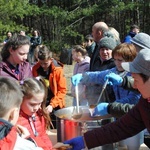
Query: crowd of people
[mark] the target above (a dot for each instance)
(130, 74)
(43, 88)
(35, 40)
(33, 87)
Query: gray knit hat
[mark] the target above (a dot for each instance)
(141, 63)
(142, 40)
(108, 41)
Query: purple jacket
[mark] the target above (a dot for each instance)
(24, 71)
(136, 120)
(80, 67)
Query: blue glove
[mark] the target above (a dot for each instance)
(76, 79)
(100, 109)
(114, 79)
(76, 143)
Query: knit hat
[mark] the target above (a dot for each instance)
(142, 40)
(141, 63)
(108, 41)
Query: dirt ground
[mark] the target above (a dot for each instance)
(68, 71)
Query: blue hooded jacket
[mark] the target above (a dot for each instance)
(122, 95)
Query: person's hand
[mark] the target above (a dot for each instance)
(100, 109)
(49, 109)
(22, 131)
(114, 79)
(76, 143)
(76, 79)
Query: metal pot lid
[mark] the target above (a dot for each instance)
(66, 113)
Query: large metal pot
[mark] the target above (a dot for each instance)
(68, 128)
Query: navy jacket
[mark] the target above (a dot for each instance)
(128, 38)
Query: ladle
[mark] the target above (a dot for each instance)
(76, 112)
(99, 98)
(103, 88)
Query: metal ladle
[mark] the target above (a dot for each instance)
(76, 112)
(99, 98)
(103, 88)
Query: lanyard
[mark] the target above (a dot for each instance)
(32, 124)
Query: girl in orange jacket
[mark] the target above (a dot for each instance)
(52, 72)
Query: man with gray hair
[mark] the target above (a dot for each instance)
(98, 31)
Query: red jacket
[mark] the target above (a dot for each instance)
(57, 83)
(38, 122)
(8, 135)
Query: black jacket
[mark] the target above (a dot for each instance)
(117, 109)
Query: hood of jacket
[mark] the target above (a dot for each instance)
(57, 63)
(8, 135)
(54, 65)
(132, 34)
(5, 128)
(85, 61)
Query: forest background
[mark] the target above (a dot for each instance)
(63, 23)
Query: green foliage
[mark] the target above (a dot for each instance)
(13, 9)
(120, 6)
(55, 46)
(11, 13)
(69, 21)
(54, 11)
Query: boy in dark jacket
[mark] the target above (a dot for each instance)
(134, 29)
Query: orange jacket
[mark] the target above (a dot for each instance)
(57, 83)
